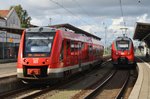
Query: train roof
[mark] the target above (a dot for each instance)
(12, 30)
(76, 30)
(67, 34)
(40, 29)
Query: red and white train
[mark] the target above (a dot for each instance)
(47, 53)
(122, 51)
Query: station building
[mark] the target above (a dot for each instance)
(9, 39)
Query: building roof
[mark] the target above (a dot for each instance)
(142, 32)
(12, 30)
(2, 18)
(75, 29)
(4, 13)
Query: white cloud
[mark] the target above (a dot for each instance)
(117, 21)
(36, 21)
(142, 18)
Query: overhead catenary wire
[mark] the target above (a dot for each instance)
(55, 2)
(120, 2)
(78, 4)
(143, 6)
(81, 7)
(124, 23)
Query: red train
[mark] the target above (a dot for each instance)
(122, 51)
(48, 53)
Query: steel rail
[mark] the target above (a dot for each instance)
(122, 90)
(92, 93)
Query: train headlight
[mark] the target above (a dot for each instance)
(46, 60)
(117, 53)
(24, 60)
(128, 53)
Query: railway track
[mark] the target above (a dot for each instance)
(112, 88)
(35, 92)
(85, 85)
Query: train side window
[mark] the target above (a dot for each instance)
(72, 46)
(79, 46)
(82, 46)
(90, 49)
(68, 48)
(62, 52)
(76, 47)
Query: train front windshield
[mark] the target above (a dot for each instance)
(38, 44)
(122, 45)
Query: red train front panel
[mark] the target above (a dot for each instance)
(122, 51)
(35, 51)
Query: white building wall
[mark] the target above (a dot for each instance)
(13, 20)
(2, 22)
(146, 49)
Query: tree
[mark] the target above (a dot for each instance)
(23, 16)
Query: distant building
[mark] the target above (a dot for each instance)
(2, 21)
(9, 42)
(11, 18)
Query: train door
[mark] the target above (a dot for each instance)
(68, 53)
(61, 57)
(80, 56)
(72, 53)
(75, 55)
(67, 57)
(90, 52)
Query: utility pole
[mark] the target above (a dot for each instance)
(3, 45)
(50, 21)
(105, 27)
(105, 39)
(125, 32)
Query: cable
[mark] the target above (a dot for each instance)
(122, 13)
(142, 6)
(55, 2)
(83, 9)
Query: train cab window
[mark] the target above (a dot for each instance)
(38, 44)
(122, 45)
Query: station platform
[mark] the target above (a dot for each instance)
(7, 69)
(141, 88)
(7, 60)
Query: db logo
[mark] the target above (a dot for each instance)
(35, 60)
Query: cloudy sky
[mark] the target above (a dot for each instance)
(100, 17)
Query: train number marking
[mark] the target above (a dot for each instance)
(35, 60)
